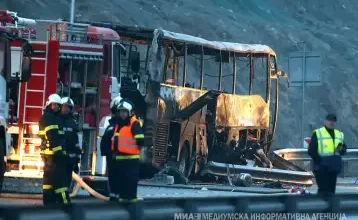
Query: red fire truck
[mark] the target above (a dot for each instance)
(75, 60)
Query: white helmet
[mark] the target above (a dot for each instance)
(114, 104)
(54, 98)
(125, 106)
(68, 101)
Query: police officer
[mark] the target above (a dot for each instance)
(126, 142)
(71, 130)
(106, 143)
(326, 147)
(53, 153)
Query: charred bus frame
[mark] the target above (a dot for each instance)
(166, 121)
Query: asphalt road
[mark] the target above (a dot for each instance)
(143, 192)
(146, 191)
(155, 192)
(150, 192)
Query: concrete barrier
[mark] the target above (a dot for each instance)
(340, 204)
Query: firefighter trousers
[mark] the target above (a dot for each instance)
(125, 178)
(71, 163)
(111, 175)
(54, 185)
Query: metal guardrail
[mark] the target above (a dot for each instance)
(300, 158)
(259, 173)
(340, 204)
(300, 154)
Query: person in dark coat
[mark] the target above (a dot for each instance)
(326, 148)
(123, 140)
(105, 144)
(71, 130)
(53, 153)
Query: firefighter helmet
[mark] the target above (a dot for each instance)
(68, 101)
(54, 98)
(123, 105)
(114, 104)
(129, 101)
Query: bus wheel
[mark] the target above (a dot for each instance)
(184, 162)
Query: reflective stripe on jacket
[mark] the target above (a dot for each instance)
(124, 140)
(51, 133)
(326, 145)
(139, 120)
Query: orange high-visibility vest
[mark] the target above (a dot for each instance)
(126, 142)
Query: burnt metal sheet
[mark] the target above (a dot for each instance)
(232, 110)
(258, 173)
(242, 111)
(174, 99)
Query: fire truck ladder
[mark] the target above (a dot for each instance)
(31, 158)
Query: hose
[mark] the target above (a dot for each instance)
(81, 183)
(75, 190)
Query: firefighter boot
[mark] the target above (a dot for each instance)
(48, 197)
(113, 197)
(62, 196)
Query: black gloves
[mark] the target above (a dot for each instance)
(76, 168)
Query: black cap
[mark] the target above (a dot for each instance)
(331, 117)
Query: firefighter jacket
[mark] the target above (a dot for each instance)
(105, 145)
(324, 151)
(51, 133)
(71, 129)
(127, 137)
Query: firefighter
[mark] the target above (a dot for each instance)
(72, 146)
(53, 153)
(106, 143)
(127, 140)
(326, 147)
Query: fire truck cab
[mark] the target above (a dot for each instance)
(72, 60)
(10, 75)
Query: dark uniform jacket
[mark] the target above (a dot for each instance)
(51, 132)
(106, 141)
(70, 127)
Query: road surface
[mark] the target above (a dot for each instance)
(145, 191)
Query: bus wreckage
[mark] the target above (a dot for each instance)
(209, 108)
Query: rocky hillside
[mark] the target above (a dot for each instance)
(327, 26)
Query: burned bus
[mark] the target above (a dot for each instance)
(205, 104)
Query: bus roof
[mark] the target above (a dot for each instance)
(147, 35)
(219, 45)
